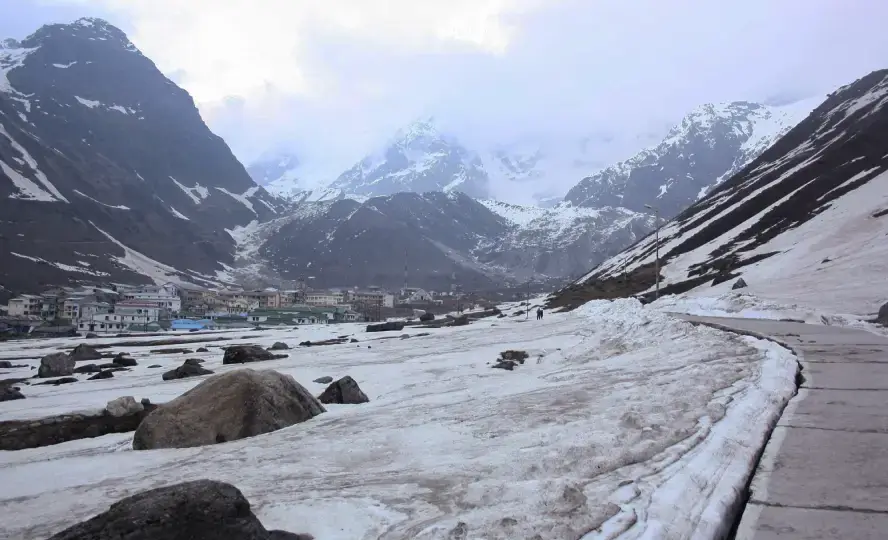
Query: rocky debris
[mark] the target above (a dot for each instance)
(517, 356)
(405, 336)
(193, 361)
(227, 407)
(739, 284)
(353, 340)
(501, 316)
(187, 369)
(123, 360)
(391, 326)
(202, 349)
(88, 368)
(279, 346)
(123, 406)
(462, 320)
(56, 382)
(344, 391)
(331, 341)
(145, 402)
(6, 364)
(56, 365)
(171, 351)
(9, 393)
(427, 316)
(324, 380)
(883, 314)
(90, 335)
(154, 366)
(519, 312)
(21, 434)
(104, 374)
(113, 367)
(505, 364)
(85, 352)
(493, 312)
(197, 510)
(244, 354)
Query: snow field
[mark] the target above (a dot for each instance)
(624, 422)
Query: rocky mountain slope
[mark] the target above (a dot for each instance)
(710, 145)
(806, 222)
(107, 170)
(444, 238)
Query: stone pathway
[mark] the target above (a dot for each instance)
(824, 473)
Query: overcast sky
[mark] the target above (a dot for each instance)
(332, 78)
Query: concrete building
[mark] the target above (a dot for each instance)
(166, 297)
(25, 305)
(125, 315)
(324, 298)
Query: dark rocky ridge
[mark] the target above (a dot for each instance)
(838, 148)
(86, 109)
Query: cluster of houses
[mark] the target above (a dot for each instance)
(176, 306)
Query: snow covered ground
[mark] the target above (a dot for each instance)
(624, 423)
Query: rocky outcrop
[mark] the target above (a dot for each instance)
(85, 352)
(56, 365)
(245, 354)
(391, 326)
(21, 434)
(344, 391)
(279, 346)
(123, 406)
(198, 510)
(189, 368)
(228, 407)
(10, 393)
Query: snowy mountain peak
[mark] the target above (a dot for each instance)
(84, 29)
(709, 145)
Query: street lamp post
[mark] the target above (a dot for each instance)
(657, 248)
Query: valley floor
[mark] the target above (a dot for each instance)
(624, 422)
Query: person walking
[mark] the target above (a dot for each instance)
(539, 314)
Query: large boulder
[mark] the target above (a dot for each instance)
(123, 406)
(390, 326)
(345, 391)
(198, 510)
(188, 369)
(56, 365)
(87, 368)
(104, 374)
(244, 354)
(228, 407)
(9, 393)
(739, 284)
(123, 360)
(85, 352)
(279, 346)
(883, 314)
(427, 316)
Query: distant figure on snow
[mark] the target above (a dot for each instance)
(539, 314)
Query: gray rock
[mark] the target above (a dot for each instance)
(405, 336)
(123, 360)
(243, 354)
(505, 364)
(56, 365)
(279, 346)
(90, 335)
(395, 326)
(88, 368)
(85, 352)
(104, 374)
(9, 393)
(123, 406)
(228, 407)
(427, 316)
(883, 314)
(324, 380)
(193, 361)
(56, 382)
(202, 349)
(154, 366)
(186, 370)
(739, 284)
(345, 391)
(199, 510)
(5, 364)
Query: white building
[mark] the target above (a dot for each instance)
(24, 305)
(324, 298)
(165, 297)
(125, 314)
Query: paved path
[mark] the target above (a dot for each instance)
(824, 473)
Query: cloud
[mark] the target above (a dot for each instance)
(334, 77)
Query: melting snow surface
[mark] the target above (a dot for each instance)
(117, 207)
(179, 214)
(196, 193)
(88, 102)
(61, 266)
(622, 422)
(27, 188)
(64, 66)
(241, 198)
